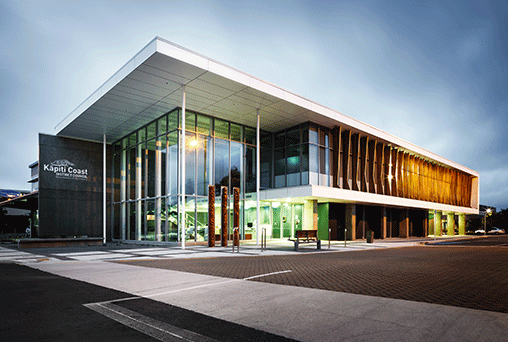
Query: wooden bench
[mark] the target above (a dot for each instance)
(306, 236)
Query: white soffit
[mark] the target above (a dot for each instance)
(150, 84)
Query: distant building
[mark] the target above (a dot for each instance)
(116, 167)
(15, 214)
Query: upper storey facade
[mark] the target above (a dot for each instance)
(330, 156)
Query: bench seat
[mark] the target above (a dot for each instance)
(306, 236)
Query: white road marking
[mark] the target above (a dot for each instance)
(266, 275)
(148, 326)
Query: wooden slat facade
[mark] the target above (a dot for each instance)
(363, 164)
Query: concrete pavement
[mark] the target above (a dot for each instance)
(295, 312)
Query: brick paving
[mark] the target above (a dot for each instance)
(469, 277)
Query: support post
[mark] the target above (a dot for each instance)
(211, 216)
(182, 175)
(450, 224)
(351, 221)
(258, 175)
(438, 224)
(383, 223)
(404, 224)
(158, 190)
(462, 224)
(104, 189)
(431, 229)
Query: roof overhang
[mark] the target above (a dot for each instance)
(325, 194)
(151, 84)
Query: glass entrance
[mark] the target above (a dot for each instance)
(287, 218)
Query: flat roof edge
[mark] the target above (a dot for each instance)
(359, 197)
(147, 51)
(191, 57)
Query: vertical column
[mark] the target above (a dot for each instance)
(430, 216)
(123, 193)
(139, 154)
(383, 223)
(425, 224)
(363, 223)
(211, 216)
(182, 176)
(404, 224)
(158, 208)
(224, 217)
(258, 175)
(308, 214)
(351, 221)
(438, 224)
(450, 219)
(462, 224)
(104, 188)
(236, 207)
(314, 215)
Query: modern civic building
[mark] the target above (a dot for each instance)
(152, 152)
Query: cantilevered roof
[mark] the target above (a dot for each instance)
(151, 84)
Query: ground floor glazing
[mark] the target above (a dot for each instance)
(158, 220)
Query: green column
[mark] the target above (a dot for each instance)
(450, 224)
(323, 220)
(431, 222)
(438, 224)
(462, 224)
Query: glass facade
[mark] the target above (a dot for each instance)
(146, 183)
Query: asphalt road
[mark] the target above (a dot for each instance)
(483, 240)
(38, 306)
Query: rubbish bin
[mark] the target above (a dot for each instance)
(370, 236)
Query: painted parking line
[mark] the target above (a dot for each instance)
(148, 326)
(266, 275)
(106, 256)
(81, 253)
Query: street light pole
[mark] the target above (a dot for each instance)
(487, 212)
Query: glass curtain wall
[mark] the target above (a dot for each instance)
(146, 182)
(301, 155)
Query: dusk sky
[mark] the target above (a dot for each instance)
(434, 73)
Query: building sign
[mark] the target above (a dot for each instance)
(65, 169)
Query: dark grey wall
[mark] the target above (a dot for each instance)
(70, 187)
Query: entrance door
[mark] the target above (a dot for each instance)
(276, 221)
(287, 221)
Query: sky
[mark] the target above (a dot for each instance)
(434, 73)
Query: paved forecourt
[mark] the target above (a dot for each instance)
(296, 312)
(114, 251)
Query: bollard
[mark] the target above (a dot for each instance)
(329, 236)
(345, 237)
